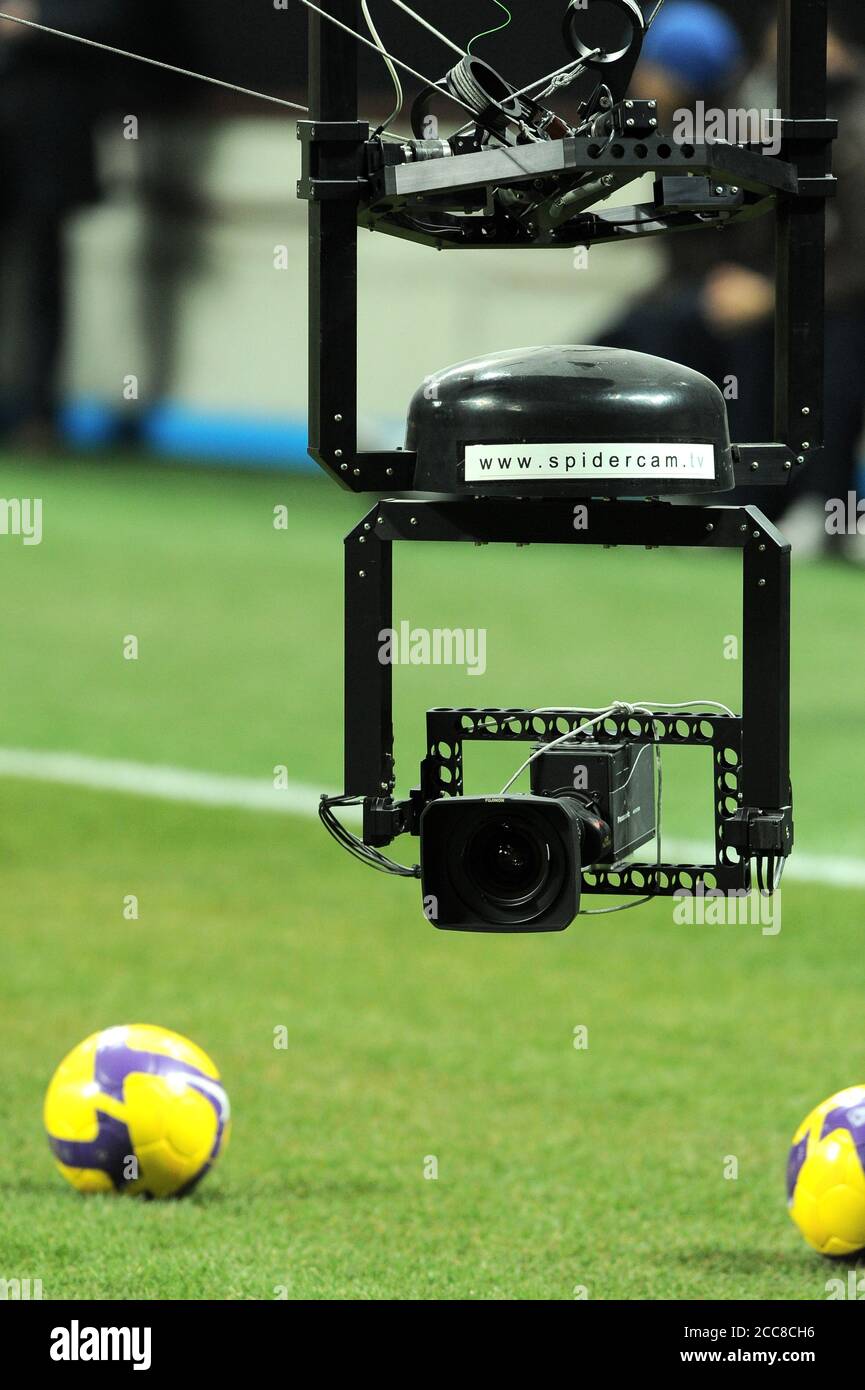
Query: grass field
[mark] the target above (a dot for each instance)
(601, 1168)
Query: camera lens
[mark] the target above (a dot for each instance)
(507, 861)
(502, 864)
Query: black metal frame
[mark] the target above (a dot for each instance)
(346, 184)
(753, 810)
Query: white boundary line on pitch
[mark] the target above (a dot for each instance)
(258, 794)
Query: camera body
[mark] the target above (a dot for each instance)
(514, 863)
(616, 779)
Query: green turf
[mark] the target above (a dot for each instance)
(557, 1168)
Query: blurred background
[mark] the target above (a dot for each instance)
(153, 262)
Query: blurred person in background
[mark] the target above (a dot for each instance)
(692, 53)
(838, 471)
(51, 95)
(713, 308)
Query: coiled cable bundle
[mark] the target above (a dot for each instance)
(486, 93)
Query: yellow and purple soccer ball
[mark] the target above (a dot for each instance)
(826, 1174)
(136, 1109)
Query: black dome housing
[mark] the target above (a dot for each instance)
(570, 421)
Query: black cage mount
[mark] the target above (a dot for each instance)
(542, 193)
(752, 796)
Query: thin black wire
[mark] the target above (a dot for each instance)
(367, 854)
(381, 52)
(152, 62)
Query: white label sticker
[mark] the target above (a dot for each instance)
(486, 463)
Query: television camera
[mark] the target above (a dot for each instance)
(499, 450)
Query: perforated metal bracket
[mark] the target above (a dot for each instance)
(750, 754)
(442, 776)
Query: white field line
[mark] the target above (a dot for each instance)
(258, 794)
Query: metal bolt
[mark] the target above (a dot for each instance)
(385, 786)
(366, 526)
(389, 472)
(761, 548)
(761, 583)
(343, 468)
(734, 189)
(630, 121)
(414, 521)
(653, 122)
(806, 410)
(801, 458)
(338, 419)
(629, 105)
(361, 574)
(337, 453)
(756, 535)
(361, 540)
(709, 526)
(357, 472)
(754, 466)
(806, 444)
(787, 466)
(743, 528)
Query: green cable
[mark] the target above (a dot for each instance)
(497, 30)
